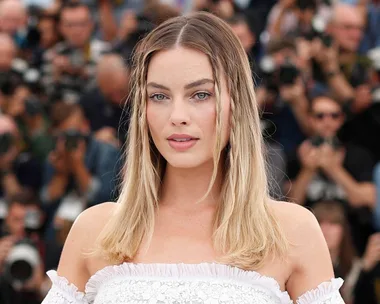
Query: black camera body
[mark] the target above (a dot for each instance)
(317, 141)
(33, 106)
(318, 30)
(72, 138)
(6, 142)
(276, 76)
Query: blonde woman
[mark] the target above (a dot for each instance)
(194, 222)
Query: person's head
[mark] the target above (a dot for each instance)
(112, 75)
(13, 16)
(48, 28)
(75, 23)
(8, 52)
(191, 79)
(326, 116)
(347, 26)
(8, 125)
(281, 49)
(19, 205)
(242, 30)
(332, 219)
(306, 10)
(65, 116)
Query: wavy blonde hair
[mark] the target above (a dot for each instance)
(245, 229)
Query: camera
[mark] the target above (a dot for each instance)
(21, 263)
(72, 138)
(6, 141)
(317, 141)
(275, 76)
(318, 30)
(32, 106)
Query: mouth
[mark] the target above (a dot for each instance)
(182, 142)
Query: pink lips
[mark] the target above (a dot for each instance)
(182, 142)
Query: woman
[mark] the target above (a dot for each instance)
(335, 228)
(194, 222)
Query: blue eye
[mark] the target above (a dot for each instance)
(202, 96)
(157, 97)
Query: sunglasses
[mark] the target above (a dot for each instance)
(333, 115)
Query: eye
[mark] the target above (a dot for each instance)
(201, 96)
(157, 97)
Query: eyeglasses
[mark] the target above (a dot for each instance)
(332, 115)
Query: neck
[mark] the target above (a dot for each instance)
(346, 57)
(183, 188)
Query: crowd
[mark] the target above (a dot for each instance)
(64, 112)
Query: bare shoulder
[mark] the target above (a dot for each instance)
(81, 240)
(308, 253)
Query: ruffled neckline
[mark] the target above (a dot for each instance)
(181, 271)
(186, 271)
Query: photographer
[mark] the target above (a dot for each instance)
(103, 106)
(18, 170)
(326, 169)
(21, 252)
(80, 168)
(27, 110)
(366, 290)
(70, 64)
(339, 66)
(282, 94)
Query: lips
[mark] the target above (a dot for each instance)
(182, 142)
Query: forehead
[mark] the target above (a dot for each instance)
(75, 12)
(325, 103)
(346, 15)
(179, 66)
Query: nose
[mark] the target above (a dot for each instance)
(180, 114)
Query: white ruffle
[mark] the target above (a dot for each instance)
(323, 291)
(63, 285)
(176, 271)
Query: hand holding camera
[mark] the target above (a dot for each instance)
(326, 56)
(292, 93)
(6, 244)
(330, 158)
(372, 253)
(309, 156)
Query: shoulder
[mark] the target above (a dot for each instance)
(81, 240)
(308, 252)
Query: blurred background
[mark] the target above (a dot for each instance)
(64, 73)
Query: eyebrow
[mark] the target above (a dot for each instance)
(187, 87)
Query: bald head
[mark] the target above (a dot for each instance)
(8, 51)
(343, 12)
(13, 16)
(113, 77)
(347, 25)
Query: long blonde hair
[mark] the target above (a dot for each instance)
(245, 229)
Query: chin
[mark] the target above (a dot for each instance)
(182, 161)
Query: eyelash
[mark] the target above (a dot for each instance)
(152, 97)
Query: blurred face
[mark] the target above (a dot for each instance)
(181, 107)
(12, 19)
(48, 33)
(245, 35)
(281, 56)
(326, 117)
(76, 121)
(114, 87)
(348, 30)
(15, 219)
(333, 233)
(7, 54)
(76, 26)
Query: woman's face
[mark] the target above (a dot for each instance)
(333, 233)
(181, 107)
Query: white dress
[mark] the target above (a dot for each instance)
(205, 283)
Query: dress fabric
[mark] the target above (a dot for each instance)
(205, 283)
